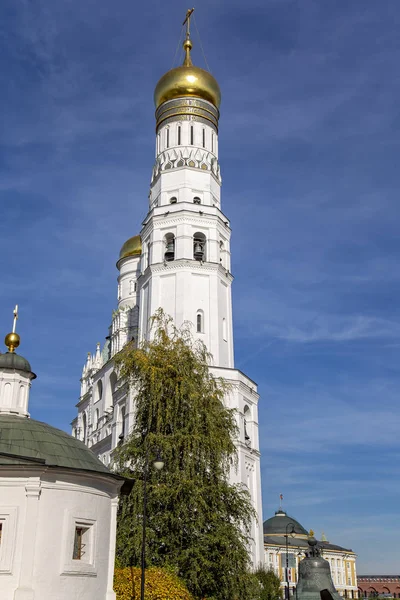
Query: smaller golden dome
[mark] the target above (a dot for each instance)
(132, 247)
(187, 81)
(12, 341)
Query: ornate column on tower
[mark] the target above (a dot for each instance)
(180, 262)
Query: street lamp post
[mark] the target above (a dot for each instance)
(158, 464)
(287, 558)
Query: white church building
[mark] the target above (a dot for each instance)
(58, 502)
(180, 261)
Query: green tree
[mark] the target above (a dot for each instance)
(269, 585)
(197, 521)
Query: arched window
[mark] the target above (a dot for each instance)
(204, 138)
(169, 241)
(99, 391)
(199, 246)
(96, 419)
(84, 426)
(122, 424)
(191, 135)
(200, 321)
(173, 200)
(179, 135)
(21, 396)
(167, 137)
(196, 200)
(113, 382)
(180, 163)
(246, 418)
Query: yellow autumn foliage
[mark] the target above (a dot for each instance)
(159, 585)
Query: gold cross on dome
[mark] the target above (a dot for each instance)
(15, 318)
(187, 21)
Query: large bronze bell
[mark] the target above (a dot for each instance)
(315, 576)
(170, 250)
(198, 251)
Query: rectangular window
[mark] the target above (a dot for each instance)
(212, 142)
(79, 543)
(8, 521)
(204, 138)
(167, 143)
(79, 546)
(191, 135)
(179, 135)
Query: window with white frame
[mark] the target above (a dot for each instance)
(8, 522)
(79, 547)
(200, 321)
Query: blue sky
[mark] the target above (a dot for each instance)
(309, 149)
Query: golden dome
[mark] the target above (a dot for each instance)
(132, 247)
(12, 341)
(187, 80)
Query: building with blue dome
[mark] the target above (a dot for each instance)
(286, 543)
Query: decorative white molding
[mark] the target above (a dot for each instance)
(186, 157)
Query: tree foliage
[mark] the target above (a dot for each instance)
(198, 522)
(159, 585)
(269, 585)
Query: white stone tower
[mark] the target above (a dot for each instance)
(180, 262)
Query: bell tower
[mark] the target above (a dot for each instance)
(186, 236)
(180, 262)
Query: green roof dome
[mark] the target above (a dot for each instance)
(277, 525)
(11, 360)
(24, 441)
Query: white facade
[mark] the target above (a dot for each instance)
(40, 510)
(185, 268)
